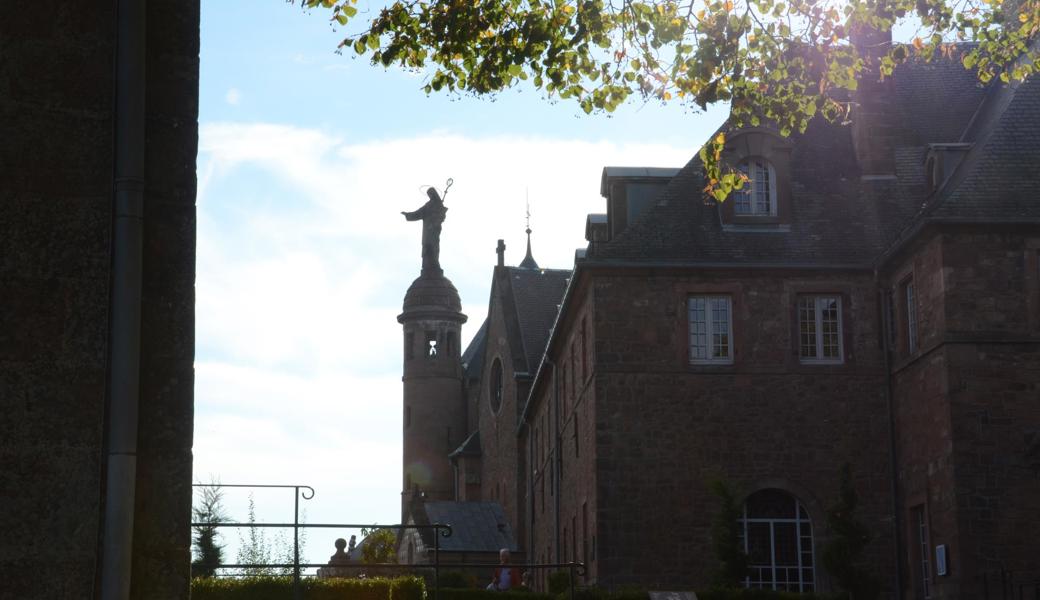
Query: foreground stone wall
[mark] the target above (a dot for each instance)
(56, 188)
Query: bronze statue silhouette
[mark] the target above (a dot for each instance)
(432, 215)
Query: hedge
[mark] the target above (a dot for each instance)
(594, 593)
(280, 588)
(482, 594)
(746, 594)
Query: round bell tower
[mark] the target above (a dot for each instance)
(434, 415)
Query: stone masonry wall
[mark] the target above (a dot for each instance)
(966, 405)
(993, 356)
(561, 435)
(498, 428)
(56, 189)
(665, 428)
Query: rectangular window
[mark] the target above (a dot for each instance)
(574, 375)
(758, 195)
(819, 329)
(711, 330)
(584, 352)
(911, 315)
(585, 533)
(924, 570)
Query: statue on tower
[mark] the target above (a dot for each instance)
(432, 215)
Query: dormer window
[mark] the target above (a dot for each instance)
(758, 196)
(763, 203)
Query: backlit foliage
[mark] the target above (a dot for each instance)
(776, 61)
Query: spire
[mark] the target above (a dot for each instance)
(528, 262)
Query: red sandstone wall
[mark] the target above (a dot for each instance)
(498, 437)
(664, 429)
(966, 404)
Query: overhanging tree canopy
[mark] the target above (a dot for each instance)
(781, 61)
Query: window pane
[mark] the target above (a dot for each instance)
(807, 328)
(742, 197)
(720, 327)
(762, 191)
(779, 542)
(829, 324)
(709, 323)
(698, 329)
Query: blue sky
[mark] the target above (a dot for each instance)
(306, 159)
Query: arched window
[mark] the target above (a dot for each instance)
(758, 196)
(495, 386)
(777, 537)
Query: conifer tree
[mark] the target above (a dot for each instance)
(842, 556)
(209, 512)
(725, 538)
(254, 549)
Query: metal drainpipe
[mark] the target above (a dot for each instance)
(125, 303)
(553, 409)
(886, 326)
(557, 458)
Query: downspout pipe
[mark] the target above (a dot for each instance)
(125, 303)
(886, 350)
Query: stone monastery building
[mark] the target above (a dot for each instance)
(871, 298)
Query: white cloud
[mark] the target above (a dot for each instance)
(303, 260)
(233, 96)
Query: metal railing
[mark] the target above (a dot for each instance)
(574, 569)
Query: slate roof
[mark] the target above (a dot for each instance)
(469, 447)
(999, 179)
(837, 219)
(473, 356)
(476, 526)
(536, 295)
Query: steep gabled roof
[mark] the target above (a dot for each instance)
(476, 526)
(999, 179)
(535, 296)
(473, 356)
(838, 218)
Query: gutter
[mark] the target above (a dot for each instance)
(124, 358)
(886, 351)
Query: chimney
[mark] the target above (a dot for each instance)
(873, 110)
(501, 251)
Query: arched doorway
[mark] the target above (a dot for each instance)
(776, 532)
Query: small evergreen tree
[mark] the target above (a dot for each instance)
(725, 538)
(284, 544)
(379, 546)
(842, 556)
(209, 512)
(254, 549)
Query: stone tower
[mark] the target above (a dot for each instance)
(434, 415)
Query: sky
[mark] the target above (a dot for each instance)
(306, 160)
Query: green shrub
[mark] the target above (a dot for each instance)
(407, 588)
(458, 580)
(474, 594)
(596, 593)
(559, 582)
(280, 588)
(746, 594)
